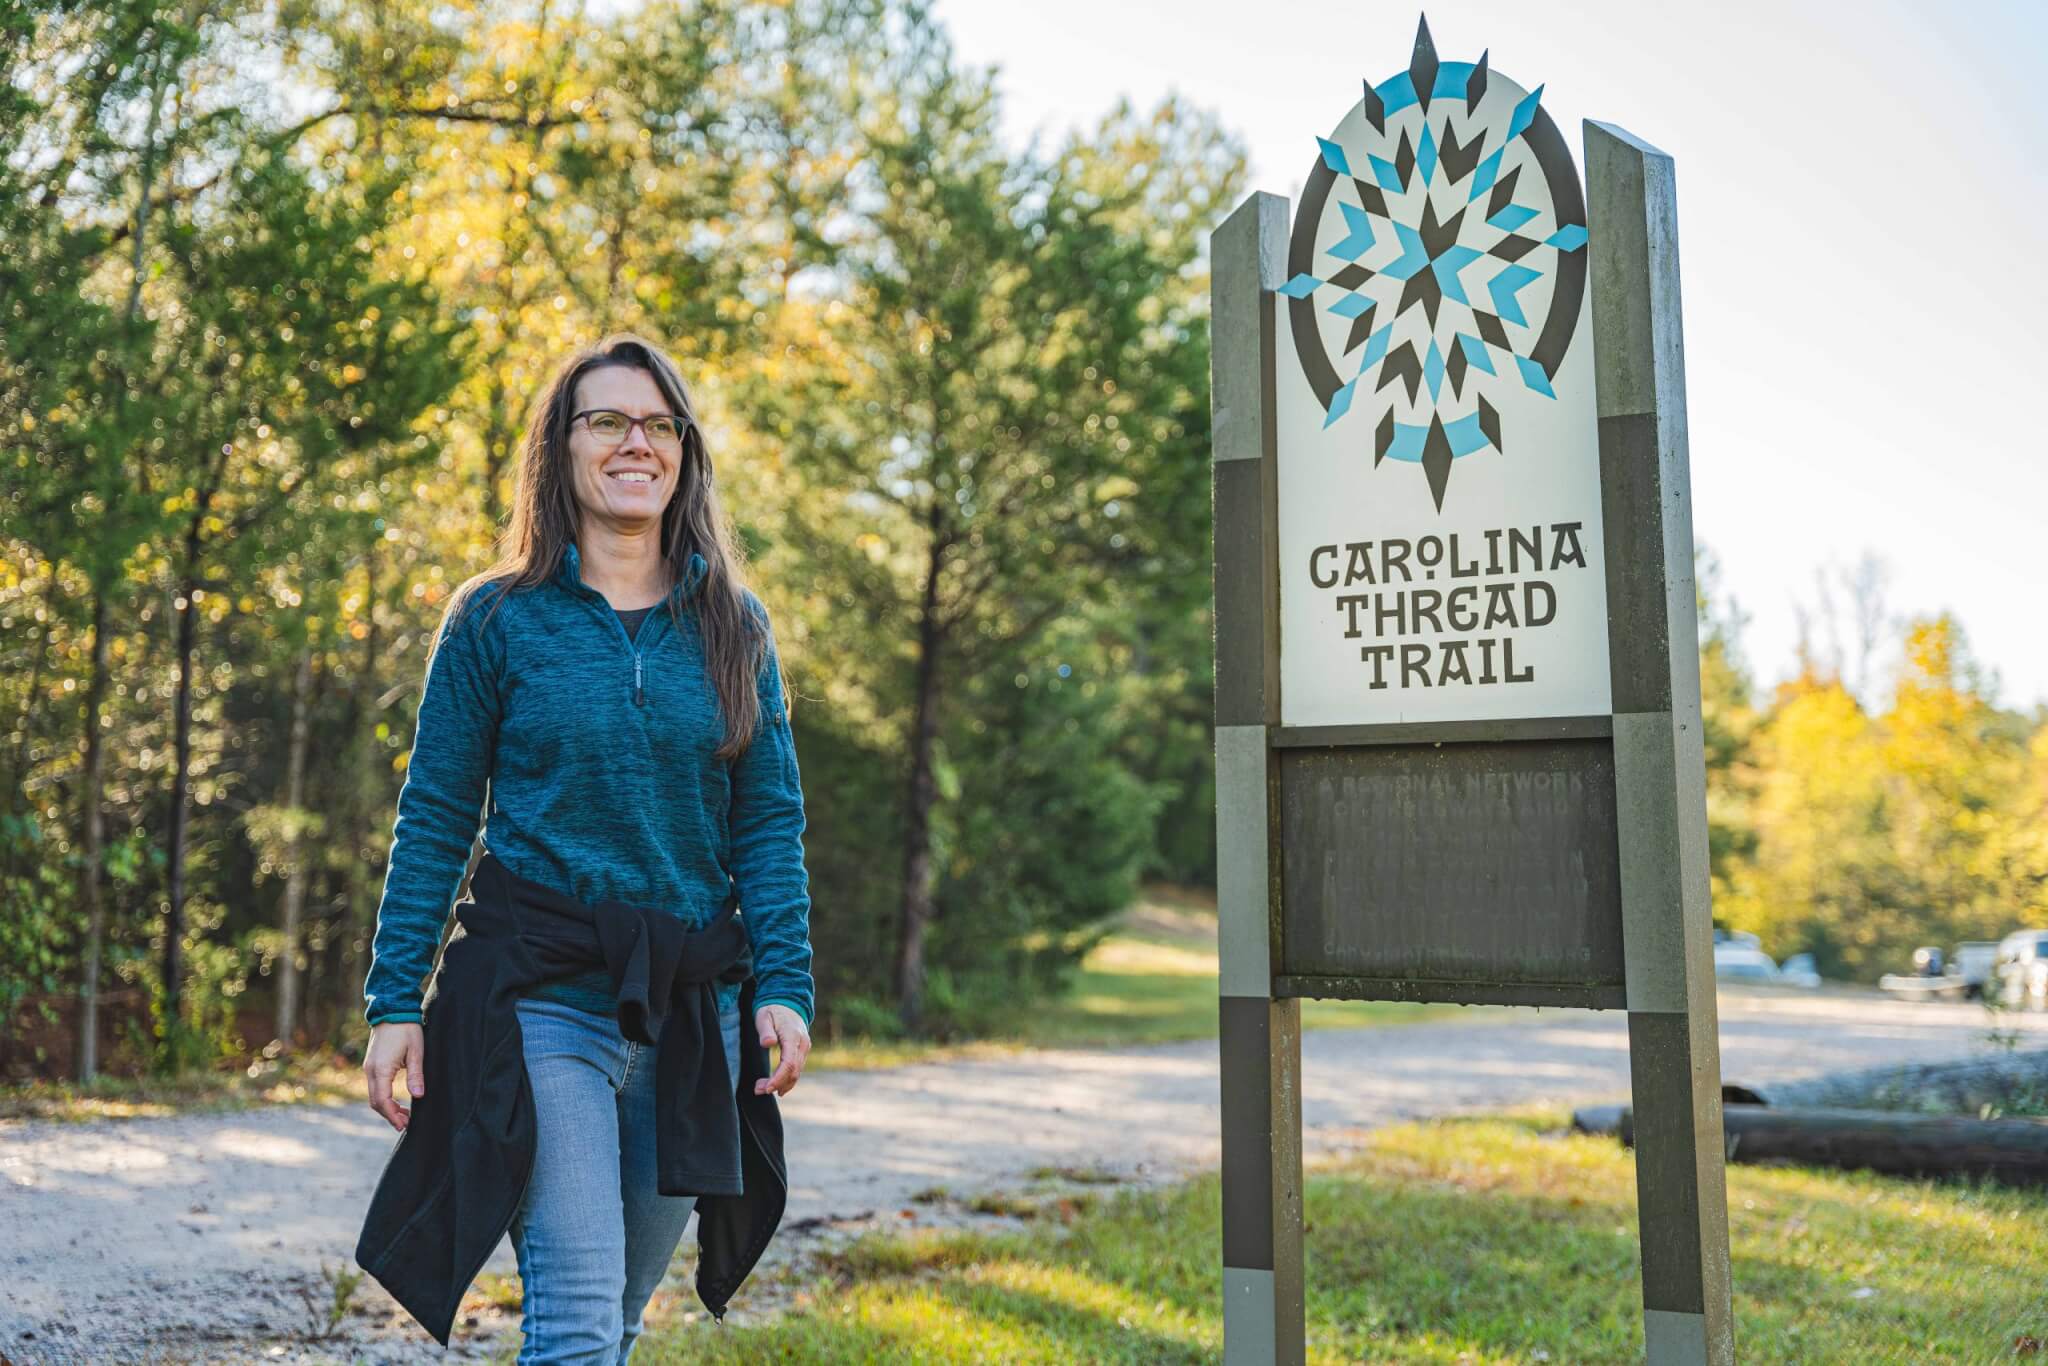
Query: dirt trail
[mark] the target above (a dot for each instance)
(194, 1238)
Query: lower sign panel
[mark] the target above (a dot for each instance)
(1474, 872)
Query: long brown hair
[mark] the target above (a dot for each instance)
(544, 521)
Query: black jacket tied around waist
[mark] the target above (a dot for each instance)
(460, 1168)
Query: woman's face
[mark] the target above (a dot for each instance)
(597, 470)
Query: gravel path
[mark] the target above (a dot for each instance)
(196, 1238)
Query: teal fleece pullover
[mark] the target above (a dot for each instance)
(598, 752)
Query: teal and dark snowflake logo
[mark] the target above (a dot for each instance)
(1458, 207)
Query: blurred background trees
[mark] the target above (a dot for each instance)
(1878, 801)
(276, 284)
(279, 282)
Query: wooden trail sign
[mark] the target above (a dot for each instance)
(1458, 744)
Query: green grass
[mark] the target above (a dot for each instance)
(1153, 981)
(323, 1078)
(1491, 1240)
(1126, 992)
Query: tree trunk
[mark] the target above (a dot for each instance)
(2014, 1151)
(90, 893)
(297, 849)
(917, 838)
(95, 830)
(181, 765)
(358, 813)
(1960, 1087)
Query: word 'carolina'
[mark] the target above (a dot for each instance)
(1509, 550)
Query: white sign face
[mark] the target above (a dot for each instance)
(1439, 462)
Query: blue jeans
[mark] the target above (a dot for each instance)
(593, 1235)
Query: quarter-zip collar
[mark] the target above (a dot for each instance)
(570, 573)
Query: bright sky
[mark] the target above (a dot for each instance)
(1861, 206)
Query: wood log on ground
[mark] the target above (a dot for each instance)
(1598, 1119)
(1953, 1087)
(2013, 1151)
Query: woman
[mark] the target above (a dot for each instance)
(615, 690)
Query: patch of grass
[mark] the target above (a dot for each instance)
(495, 1290)
(1082, 1176)
(1146, 984)
(1489, 1240)
(1126, 993)
(1180, 898)
(323, 1317)
(322, 1078)
(1110, 1009)
(1004, 1203)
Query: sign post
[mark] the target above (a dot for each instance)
(1458, 747)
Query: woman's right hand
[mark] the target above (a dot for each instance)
(394, 1046)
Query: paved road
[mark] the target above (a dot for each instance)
(193, 1238)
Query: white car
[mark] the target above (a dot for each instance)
(1975, 961)
(1799, 971)
(1735, 962)
(2020, 974)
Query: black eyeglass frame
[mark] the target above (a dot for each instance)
(683, 423)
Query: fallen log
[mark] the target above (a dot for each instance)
(1598, 1119)
(1953, 1087)
(2013, 1151)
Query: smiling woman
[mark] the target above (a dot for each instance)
(611, 431)
(610, 689)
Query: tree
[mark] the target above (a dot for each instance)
(264, 368)
(1955, 760)
(1849, 649)
(1729, 722)
(1824, 876)
(73, 361)
(1876, 834)
(301, 354)
(999, 371)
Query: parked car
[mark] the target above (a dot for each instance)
(2020, 971)
(1974, 961)
(1744, 963)
(1799, 971)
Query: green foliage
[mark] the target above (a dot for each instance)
(853, 804)
(2020, 1097)
(1729, 720)
(993, 401)
(1042, 845)
(1163, 729)
(36, 933)
(217, 972)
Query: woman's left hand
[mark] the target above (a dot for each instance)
(782, 1027)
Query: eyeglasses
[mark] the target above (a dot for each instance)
(609, 427)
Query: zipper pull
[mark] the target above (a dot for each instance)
(638, 695)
